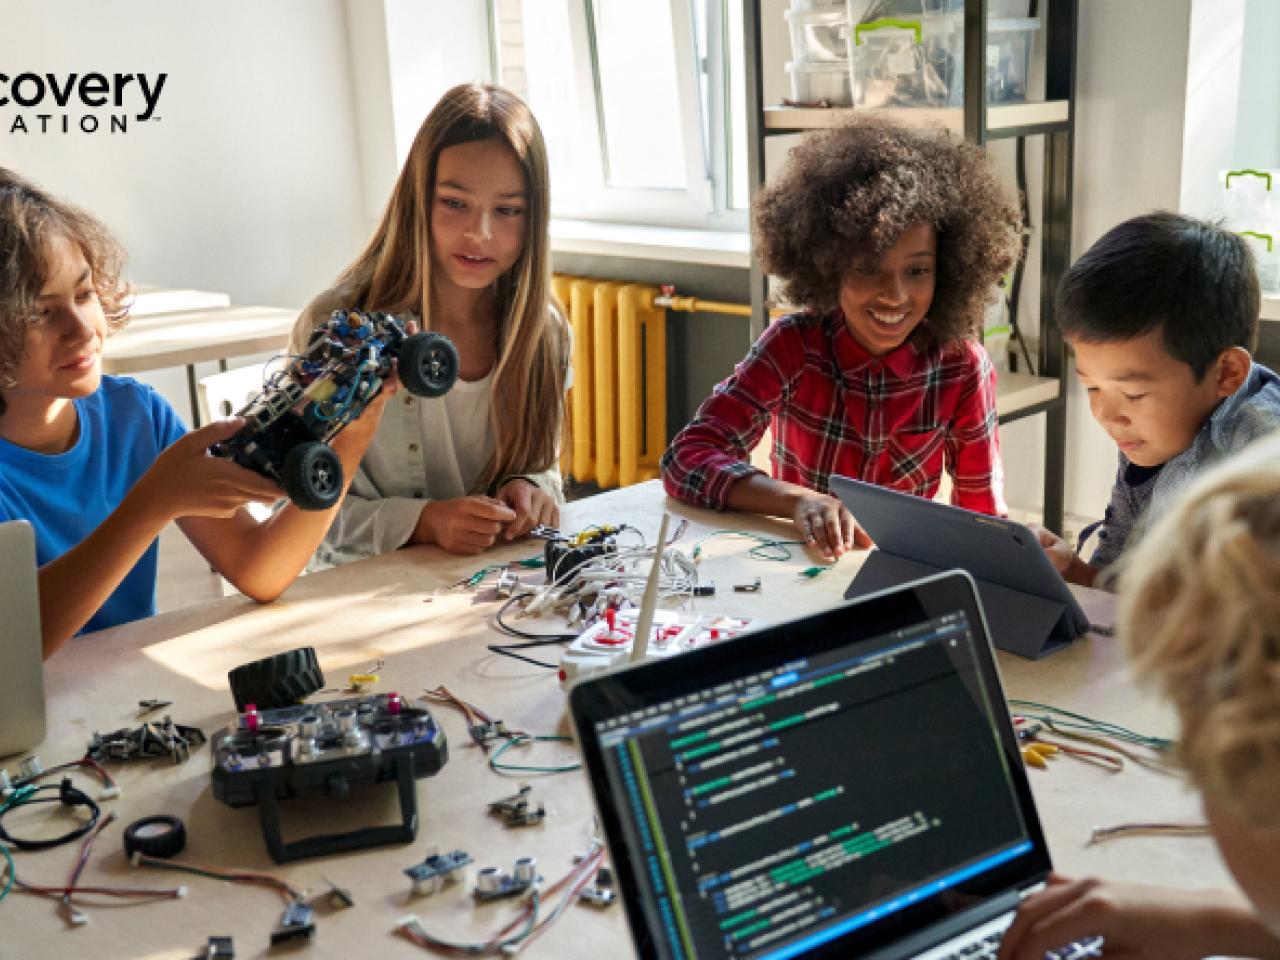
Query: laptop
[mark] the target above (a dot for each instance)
(844, 785)
(1031, 610)
(22, 720)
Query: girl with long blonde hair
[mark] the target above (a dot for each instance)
(462, 249)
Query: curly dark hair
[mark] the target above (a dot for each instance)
(847, 194)
(30, 222)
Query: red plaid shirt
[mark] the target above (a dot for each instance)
(893, 420)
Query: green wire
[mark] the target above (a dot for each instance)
(528, 563)
(766, 548)
(1083, 722)
(497, 767)
(13, 871)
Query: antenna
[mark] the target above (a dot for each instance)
(640, 646)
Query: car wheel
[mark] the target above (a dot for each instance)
(312, 476)
(428, 364)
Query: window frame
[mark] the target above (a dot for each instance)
(703, 203)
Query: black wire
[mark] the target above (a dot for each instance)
(511, 631)
(508, 650)
(67, 795)
(531, 639)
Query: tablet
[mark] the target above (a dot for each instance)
(1031, 609)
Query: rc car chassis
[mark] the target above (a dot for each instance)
(305, 404)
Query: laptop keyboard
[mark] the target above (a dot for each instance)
(986, 948)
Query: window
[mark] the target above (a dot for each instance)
(633, 99)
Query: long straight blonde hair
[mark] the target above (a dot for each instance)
(393, 273)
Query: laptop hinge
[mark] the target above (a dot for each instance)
(948, 929)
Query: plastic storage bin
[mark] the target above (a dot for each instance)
(799, 5)
(1266, 255)
(862, 10)
(919, 62)
(819, 36)
(1250, 196)
(813, 83)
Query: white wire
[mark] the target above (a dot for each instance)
(622, 573)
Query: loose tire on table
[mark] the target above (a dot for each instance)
(279, 681)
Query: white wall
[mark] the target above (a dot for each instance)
(1214, 64)
(1232, 87)
(281, 127)
(1131, 90)
(249, 182)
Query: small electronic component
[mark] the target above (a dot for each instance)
(508, 583)
(565, 554)
(430, 876)
(30, 768)
(493, 884)
(752, 587)
(518, 810)
(219, 948)
(487, 732)
(296, 924)
(150, 706)
(155, 738)
(597, 896)
(339, 896)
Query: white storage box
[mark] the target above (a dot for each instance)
(814, 83)
(828, 5)
(1266, 254)
(919, 62)
(1249, 196)
(862, 10)
(819, 36)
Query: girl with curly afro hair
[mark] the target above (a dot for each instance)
(890, 241)
(99, 465)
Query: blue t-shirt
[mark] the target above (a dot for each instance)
(124, 425)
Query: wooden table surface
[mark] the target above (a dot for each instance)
(386, 608)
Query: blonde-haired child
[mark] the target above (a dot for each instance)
(463, 248)
(1200, 615)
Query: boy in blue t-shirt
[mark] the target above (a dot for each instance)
(1162, 312)
(98, 465)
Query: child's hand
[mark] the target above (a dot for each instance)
(532, 505)
(359, 432)
(467, 525)
(827, 524)
(188, 481)
(1060, 553)
(1137, 922)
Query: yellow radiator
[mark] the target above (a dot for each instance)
(618, 402)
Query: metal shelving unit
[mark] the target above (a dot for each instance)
(1053, 119)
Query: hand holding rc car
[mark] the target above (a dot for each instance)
(307, 403)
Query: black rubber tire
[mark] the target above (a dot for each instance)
(279, 681)
(312, 476)
(428, 364)
(160, 836)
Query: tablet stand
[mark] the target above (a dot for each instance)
(1021, 623)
